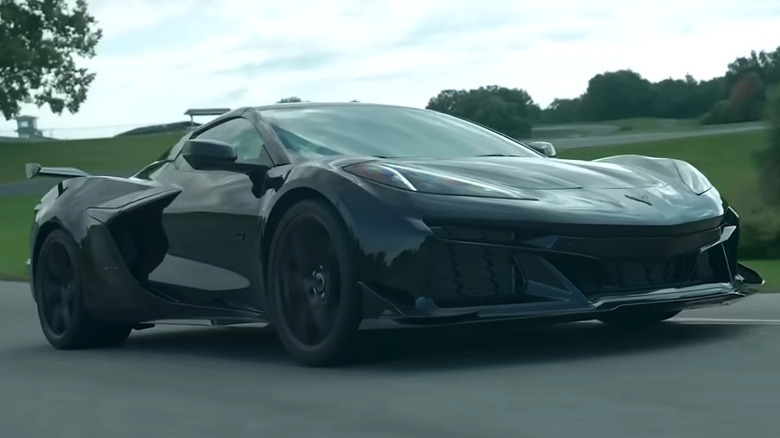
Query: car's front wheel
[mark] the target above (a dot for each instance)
(637, 319)
(65, 322)
(312, 293)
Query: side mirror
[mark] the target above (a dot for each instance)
(205, 154)
(544, 148)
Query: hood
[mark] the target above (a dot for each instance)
(533, 173)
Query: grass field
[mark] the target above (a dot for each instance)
(16, 218)
(770, 270)
(115, 154)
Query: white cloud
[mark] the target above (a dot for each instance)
(120, 18)
(160, 57)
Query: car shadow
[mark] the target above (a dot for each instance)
(518, 344)
(439, 348)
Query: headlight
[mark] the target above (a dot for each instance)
(692, 177)
(426, 181)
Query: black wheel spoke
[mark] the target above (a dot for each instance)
(53, 270)
(66, 292)
(57, 319)
(300, 322)
(62, 262)
(298, 249)
(322, 318)
(57, 289)
(308, 290)
(309, 329)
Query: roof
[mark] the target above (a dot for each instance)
(300, 105)
(206, 111)
(325, 104)
(25, 118)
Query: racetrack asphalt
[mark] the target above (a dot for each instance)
(709, 373)
(616, 139)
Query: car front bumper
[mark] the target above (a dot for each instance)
(461, 274)
(426, 312)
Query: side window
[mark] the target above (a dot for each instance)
(174, 150)
(240, 134)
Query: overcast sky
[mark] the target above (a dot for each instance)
(160, 57)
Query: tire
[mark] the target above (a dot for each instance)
(312, 296)
(64, 320)
(636, 319)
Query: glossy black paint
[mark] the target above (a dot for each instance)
(555, 239)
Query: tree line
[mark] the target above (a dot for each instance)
(739, 95)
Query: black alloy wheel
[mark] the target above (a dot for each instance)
(64, 321)
(313, 299)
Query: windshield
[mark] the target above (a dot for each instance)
(384, 131)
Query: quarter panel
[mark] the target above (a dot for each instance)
(80, 206)
(67, 203)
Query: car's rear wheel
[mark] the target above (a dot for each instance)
(312, 293)
(637, 319)
(65, 322)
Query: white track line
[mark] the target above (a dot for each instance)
(746, 321)
(683, 320)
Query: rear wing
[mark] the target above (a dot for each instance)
(31, 170)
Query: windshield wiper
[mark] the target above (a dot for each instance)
(499, 155)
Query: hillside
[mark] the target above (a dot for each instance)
(116, 154)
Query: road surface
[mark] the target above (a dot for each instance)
(610, 140)
(715, 375)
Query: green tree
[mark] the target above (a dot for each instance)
(507, 110)
(682, 98)
(40, 41)
(770, 158)
(291, 99)
(617, 95)
(708, 93)
(766, 65)
(746, 102)
(746, 80)
(624, 93)
(563, 111)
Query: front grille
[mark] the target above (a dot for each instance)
(632, 274)
(466, 265)
(462, 274)
(595, 278)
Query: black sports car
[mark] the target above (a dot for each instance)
(314, 217)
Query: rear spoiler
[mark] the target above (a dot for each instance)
(31, 170)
